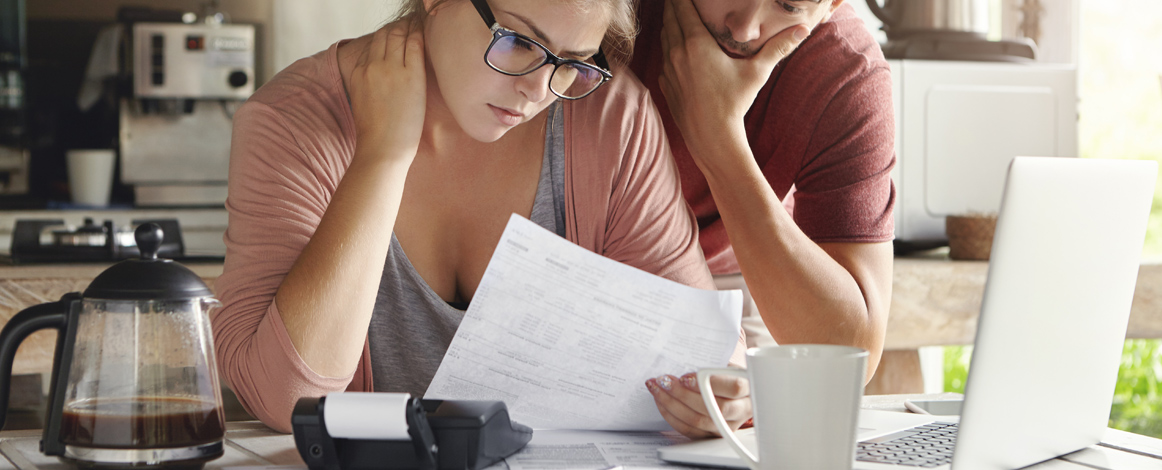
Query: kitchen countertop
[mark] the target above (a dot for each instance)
(936, 301)
(83, 272)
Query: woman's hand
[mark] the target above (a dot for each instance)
(680, 403)
(388, 90)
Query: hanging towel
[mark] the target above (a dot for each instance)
(103, 65)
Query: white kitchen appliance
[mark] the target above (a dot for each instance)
(960, 123)
(175, 127)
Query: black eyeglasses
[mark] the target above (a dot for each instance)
(515, 54)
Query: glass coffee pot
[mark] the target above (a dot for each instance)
(134, 382)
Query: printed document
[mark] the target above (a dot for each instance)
(567, 338)
(594, 450)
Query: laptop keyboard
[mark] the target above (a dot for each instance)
(925, 446)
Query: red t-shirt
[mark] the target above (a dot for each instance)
(821, 129)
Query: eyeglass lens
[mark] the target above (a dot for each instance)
(517, 56)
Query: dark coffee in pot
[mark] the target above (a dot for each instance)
(142, 423)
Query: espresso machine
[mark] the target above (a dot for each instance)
(175, 124)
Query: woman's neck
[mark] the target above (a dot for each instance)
(443, 135)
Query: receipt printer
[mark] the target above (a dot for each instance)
(358, 431)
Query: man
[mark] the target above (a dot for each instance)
(779, 115)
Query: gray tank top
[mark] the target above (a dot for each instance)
(411, 326)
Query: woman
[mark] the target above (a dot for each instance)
(370, 183)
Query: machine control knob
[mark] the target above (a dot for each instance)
(238, 79)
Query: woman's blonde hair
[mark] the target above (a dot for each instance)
(618, 41)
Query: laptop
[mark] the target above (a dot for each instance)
(1061, 280)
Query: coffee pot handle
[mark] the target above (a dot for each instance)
(876, 9)
(28, 321)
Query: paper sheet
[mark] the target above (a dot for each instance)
(575, 450)
(567, 338)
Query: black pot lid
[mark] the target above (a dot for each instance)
(147, 278)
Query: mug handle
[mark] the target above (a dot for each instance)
(716, 413)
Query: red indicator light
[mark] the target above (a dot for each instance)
(195, 43)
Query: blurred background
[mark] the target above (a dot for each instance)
(1101, 58)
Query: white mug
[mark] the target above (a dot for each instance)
(91, 176)
(806, 401)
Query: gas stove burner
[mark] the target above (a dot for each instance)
(89, 234)
(52, 241)
(958, 47)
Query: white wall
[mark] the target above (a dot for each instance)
(300, 28)
(1060, 29)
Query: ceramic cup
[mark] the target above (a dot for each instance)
(806, 401)
(91, 176)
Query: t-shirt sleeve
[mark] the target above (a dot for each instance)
(649, 224)
(276, 200)
(844, 192)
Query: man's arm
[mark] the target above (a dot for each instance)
(805, 292)
(835, 293)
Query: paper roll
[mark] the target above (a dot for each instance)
(356, 415)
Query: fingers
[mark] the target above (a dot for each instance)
(397, 38)
(673, 49)
(684, 409)
(732, 394)
(414, 55)
(378, 47)
(724, 386)
(780, 46)
(399, 44)
(687, 18)
(680, 416)
(671, 31)
(686, 429)
(667, 91)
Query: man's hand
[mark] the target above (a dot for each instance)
(708, 91)
(681, 404)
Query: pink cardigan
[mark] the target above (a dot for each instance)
(292, 143)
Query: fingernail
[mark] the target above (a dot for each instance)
(664, 382)
(799, 33)
(651, 386)
(690, 382)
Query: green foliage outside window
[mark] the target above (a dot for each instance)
(1138, 396)
(1137, 400)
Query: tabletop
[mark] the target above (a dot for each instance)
(252, 444)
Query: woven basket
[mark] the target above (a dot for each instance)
(970, 237)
